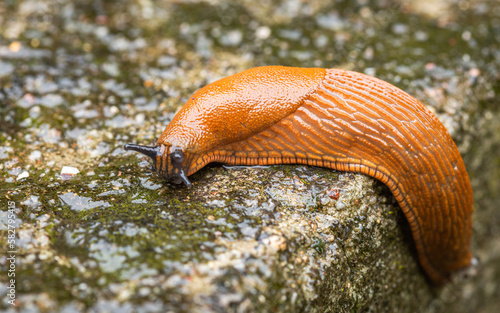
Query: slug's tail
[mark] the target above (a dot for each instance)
(466, 273)
(146, 150)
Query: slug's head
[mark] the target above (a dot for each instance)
(168, 161)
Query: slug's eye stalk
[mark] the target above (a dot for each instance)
(151, 152)
(176, 159)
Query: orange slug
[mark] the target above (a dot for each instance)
(337, 119)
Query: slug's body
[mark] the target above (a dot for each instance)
(337, 119)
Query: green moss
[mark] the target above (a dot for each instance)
(319, 245)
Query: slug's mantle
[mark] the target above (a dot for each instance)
(337, 119)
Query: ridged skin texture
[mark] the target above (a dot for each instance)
(341, 120)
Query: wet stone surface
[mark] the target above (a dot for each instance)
(97, 231)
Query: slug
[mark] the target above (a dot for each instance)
(338, 119)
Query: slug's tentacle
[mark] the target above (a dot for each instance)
(182, 178)
(177, 159)
(151, 152)
(341, 120)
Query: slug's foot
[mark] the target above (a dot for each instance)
(242, 167)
